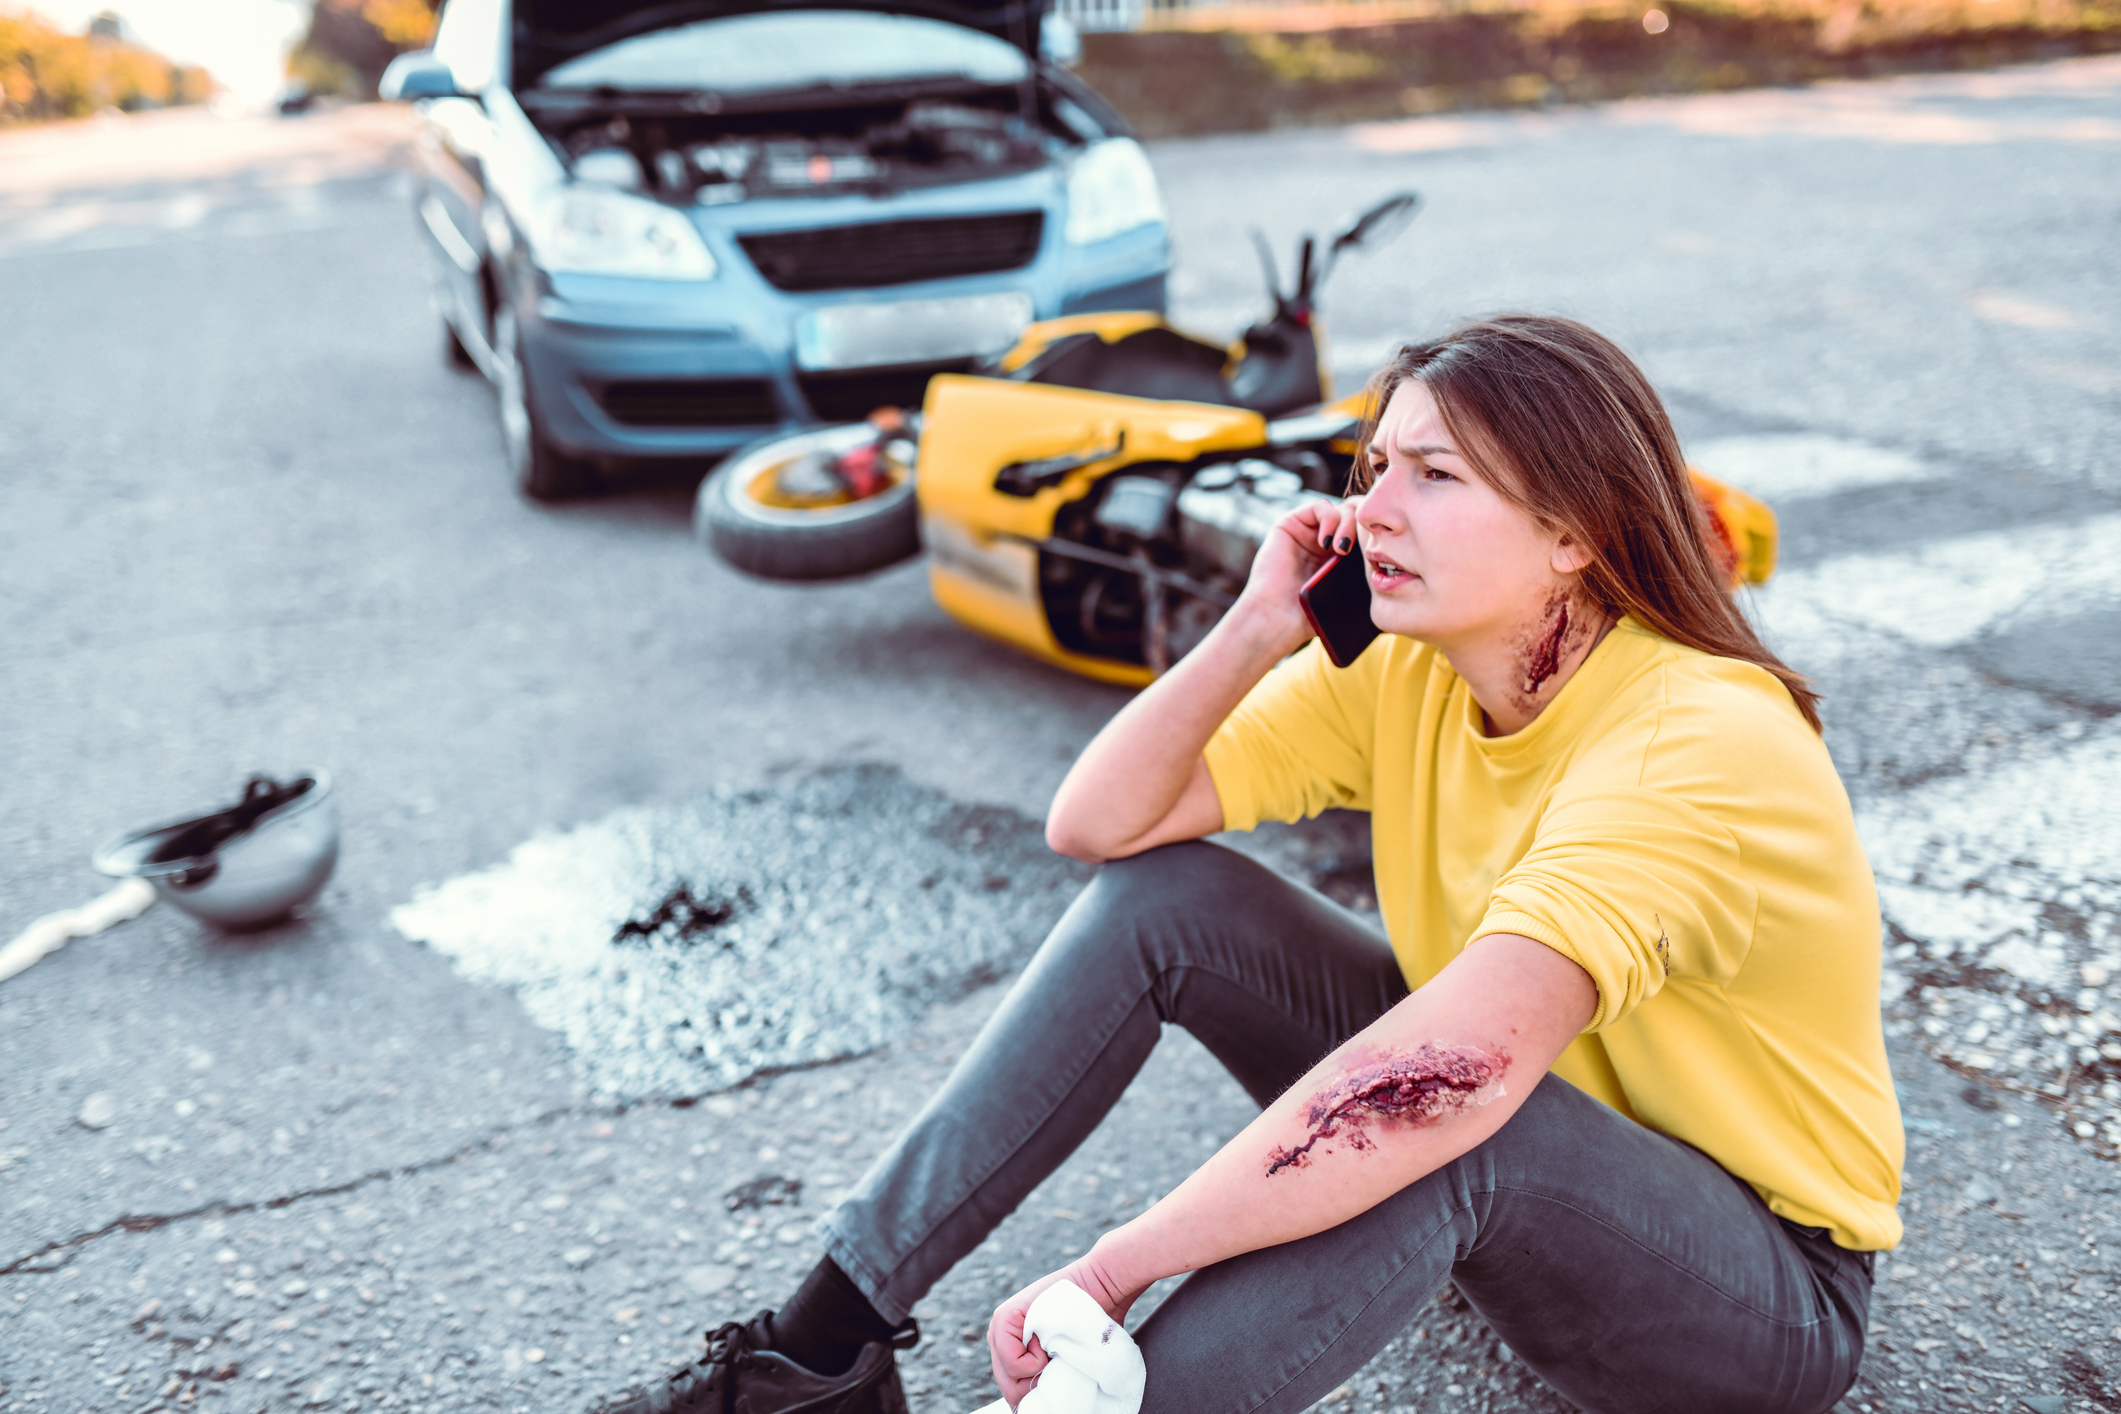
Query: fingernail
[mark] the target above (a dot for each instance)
(1343, 545)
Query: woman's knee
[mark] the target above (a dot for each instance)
(1162, 905)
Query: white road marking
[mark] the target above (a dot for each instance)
(1971, 861)
(99, 226)
(1999, 308)
(63, 221)
(303, 203)
(1942, 594)
(185, 211)
(1783, 467)
(683, 947)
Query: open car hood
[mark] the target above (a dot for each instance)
(550, 32)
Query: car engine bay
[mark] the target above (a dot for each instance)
(683, 149)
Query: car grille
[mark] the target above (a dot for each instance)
(850, 397)
(895, 252)
(691, 402)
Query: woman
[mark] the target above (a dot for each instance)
(1619, 1071)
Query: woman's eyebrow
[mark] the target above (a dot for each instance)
(1425, 449)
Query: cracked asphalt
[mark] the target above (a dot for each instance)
(250, 521)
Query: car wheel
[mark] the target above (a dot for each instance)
(769, 512)
(541, 471)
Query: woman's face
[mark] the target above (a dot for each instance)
(1451, 562)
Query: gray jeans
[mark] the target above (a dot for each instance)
(1626, 1268)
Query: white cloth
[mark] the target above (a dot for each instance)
(1096, 1369)
(52, 932)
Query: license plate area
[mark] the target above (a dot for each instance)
(887, 332)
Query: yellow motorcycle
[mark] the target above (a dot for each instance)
(1095, 495)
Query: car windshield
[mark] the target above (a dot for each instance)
(766, 53)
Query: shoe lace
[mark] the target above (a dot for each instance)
(729, 1348)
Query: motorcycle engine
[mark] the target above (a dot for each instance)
(1165, 550)
(1225, 512)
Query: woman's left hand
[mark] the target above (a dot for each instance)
(1018, 1359)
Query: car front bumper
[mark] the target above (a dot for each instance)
(626, 370)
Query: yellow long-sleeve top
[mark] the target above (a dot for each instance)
(1671, 824)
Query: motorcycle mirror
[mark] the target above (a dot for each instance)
(1266, 260)
(1380, 223)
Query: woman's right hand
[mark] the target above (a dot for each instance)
(1017, 1357)
(1300, 543)
(1143, 781)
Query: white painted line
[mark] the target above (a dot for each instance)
(1943, 594)
(683, 947)
(185, 211)
(64, 221)
(303, 203)
(1787, 467)
(1975, 865)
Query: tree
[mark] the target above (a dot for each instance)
(46, 73)
(351, 42)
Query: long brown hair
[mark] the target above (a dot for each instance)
(1565, 427)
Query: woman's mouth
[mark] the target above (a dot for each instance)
(1385, 576)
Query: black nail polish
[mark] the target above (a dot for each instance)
(1343, 545)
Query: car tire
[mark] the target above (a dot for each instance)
(832, 542)
(542, 472)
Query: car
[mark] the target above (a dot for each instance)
(666, 230)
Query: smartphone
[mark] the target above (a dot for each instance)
(1337, 602)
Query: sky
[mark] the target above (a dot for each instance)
(242, 43)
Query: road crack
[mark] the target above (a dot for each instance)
(57, 1254)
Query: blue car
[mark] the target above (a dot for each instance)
(665, 230)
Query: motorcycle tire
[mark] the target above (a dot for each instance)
(807, 544)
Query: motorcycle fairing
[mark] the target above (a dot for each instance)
(982, 542)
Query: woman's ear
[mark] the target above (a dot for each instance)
(1570, 556)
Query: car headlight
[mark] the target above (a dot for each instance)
(1111, 189)
(585, 230)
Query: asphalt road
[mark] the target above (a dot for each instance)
(375, 1159)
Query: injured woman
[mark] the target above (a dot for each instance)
(1614, 1066)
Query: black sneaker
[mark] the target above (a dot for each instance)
(742, 1374)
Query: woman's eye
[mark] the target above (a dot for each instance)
(1430, 473)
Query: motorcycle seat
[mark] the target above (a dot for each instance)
(1158, 363)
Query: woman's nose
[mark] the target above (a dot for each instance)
(1381, 512)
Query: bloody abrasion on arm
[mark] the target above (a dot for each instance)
(1411, 1088)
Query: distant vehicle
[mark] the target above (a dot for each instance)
(669, 229)
(295, 101)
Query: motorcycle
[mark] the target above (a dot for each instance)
(1095, 495)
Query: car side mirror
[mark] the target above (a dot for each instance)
(417, 75)
(1059, 41)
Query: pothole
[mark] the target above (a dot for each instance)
(684, 948)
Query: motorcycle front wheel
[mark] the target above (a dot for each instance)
(776, 510)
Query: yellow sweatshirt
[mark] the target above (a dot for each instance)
(1671, 824)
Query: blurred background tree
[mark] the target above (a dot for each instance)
(46, 73)
(351, 42)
